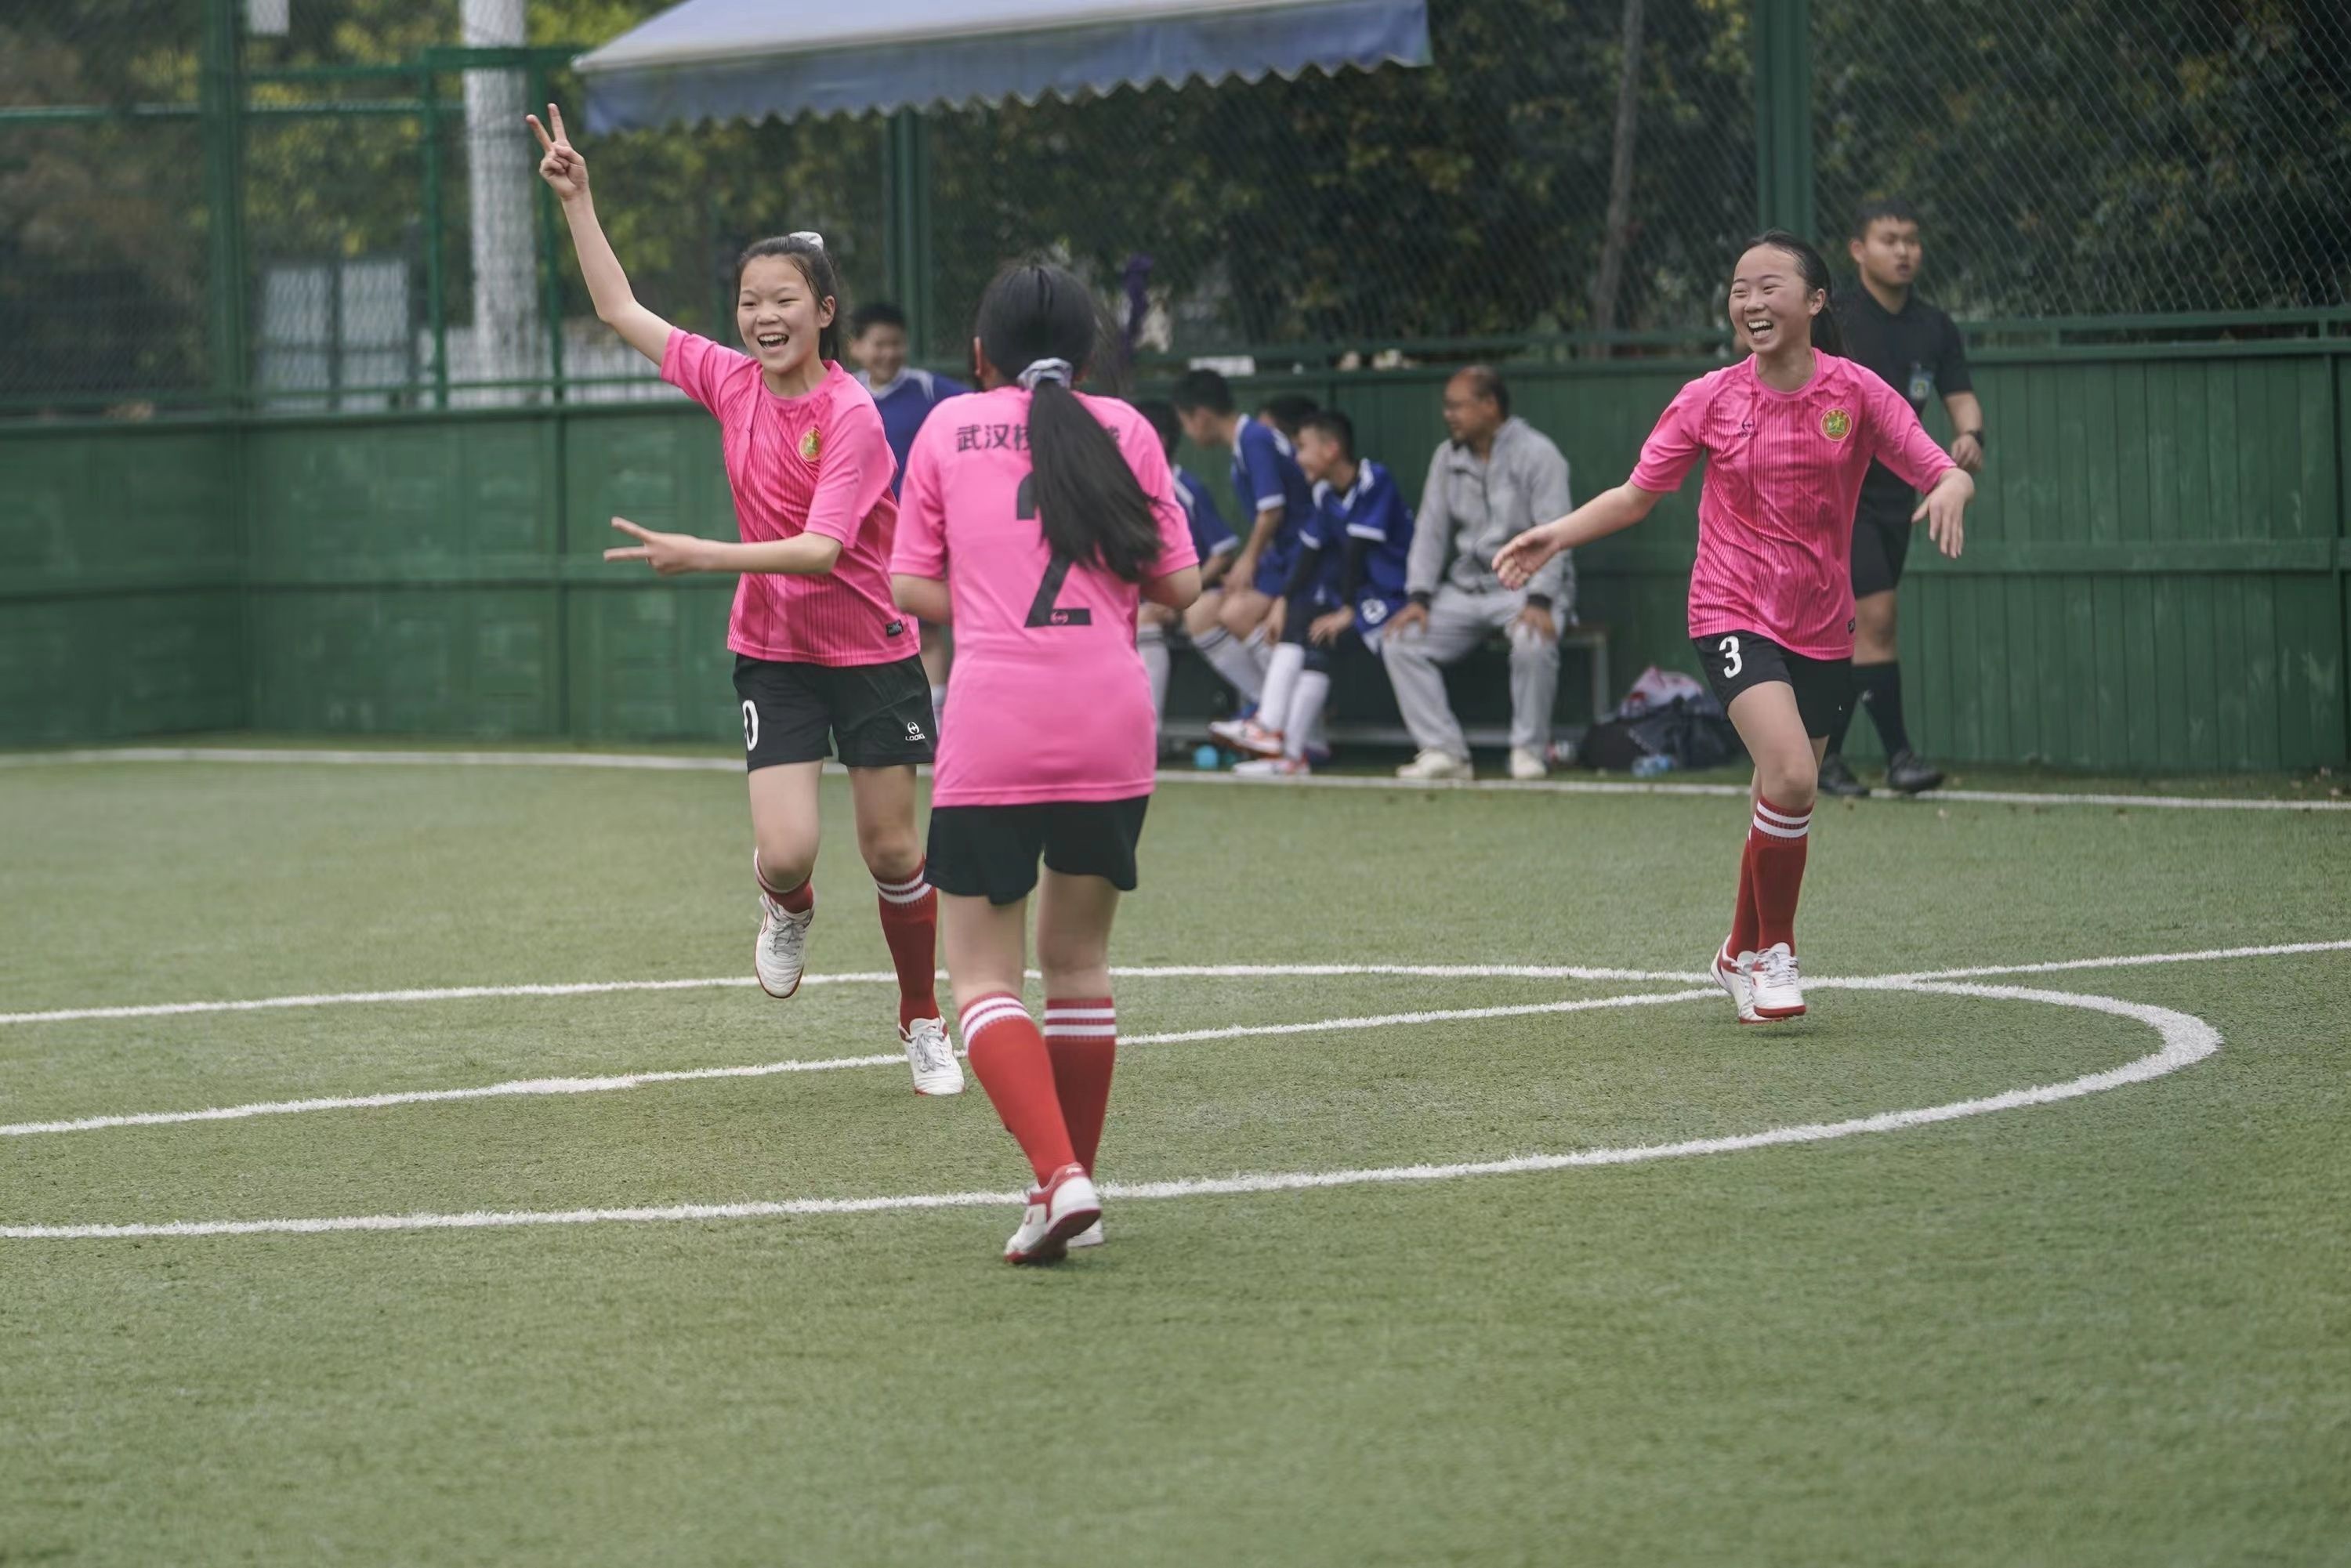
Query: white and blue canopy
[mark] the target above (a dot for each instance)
(726, 59)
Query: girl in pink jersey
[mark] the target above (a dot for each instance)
(821, 652)
(1035, 521)
(1787, 434)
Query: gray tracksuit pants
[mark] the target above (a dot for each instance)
(1458, 621)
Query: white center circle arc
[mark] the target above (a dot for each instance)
(2185, 1041)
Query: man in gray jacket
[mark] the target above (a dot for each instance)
(1494, 480)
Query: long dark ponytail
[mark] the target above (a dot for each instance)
(1039, 327)
(1828, 337)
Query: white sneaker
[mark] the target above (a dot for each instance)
(1527, 766)
(1733, 975)
(1273, 767)
(1779, 993)
(1090, 1236)
(931, 1056)
(781, 952)
(1063, 1207)
(1436, 764)
(1248, 734)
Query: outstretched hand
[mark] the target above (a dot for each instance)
(1517, 562)
(668, 554)
(562, 166)
(1944, 511)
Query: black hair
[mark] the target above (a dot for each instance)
(1485, 380)
(1332, 422)
(1879, 210)
(875, 313)
(1163, 422)
(1202, 388)
(1827, 336)
(1290, 411)
(1089, 503)
(806, 251)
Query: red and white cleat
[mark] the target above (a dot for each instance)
(780, 956)
(1778, 991)
(1248, 734)
(1733, 976)
(1063, 1207)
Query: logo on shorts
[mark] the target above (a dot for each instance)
(915, 731)
(812, 444)
(1836, 424)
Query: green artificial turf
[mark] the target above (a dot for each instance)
(2115, 1330)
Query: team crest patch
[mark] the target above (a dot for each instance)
(1836, 424)
(810, 444)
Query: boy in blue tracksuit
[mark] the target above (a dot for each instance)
(1347, 580)
(1212, 538)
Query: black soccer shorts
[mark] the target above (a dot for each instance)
(1735, 661)
(875, 715)
(991, 851)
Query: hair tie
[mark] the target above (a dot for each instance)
(1044, 370)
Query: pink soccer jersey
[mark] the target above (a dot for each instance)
(815, 464)
(1050, 700)
(1782, 477)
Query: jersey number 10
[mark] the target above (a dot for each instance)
(1042, 611)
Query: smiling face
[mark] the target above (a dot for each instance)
(1318, 454)
(1771, 308)
(778, 314)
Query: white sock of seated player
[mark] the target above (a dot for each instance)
(1280, 683)
(1227, 656)
(1305, 712)
(1150, 641)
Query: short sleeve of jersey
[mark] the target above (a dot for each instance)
(1381, 516)
(1951, 361)
(853, 470)
(1678, 440)
(1210, 533)
(1260, 462)
(921, 549)
(698, 367)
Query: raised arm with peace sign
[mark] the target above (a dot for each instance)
(566, 173)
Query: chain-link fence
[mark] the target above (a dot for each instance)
(1574, 172)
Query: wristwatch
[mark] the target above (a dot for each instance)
(1975, 436)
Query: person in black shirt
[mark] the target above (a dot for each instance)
(1915, 349)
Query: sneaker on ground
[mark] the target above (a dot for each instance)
(1273, 767)
(1836, 777)
(1436, 764)
(1092, 1236)
(780, 955)
(1733, 975)
(1777, 991)
(1526, 765)
(1248, 734)
(1906, 773)
(1062, 1209)
(931, 1056)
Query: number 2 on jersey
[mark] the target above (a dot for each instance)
(1042, 611)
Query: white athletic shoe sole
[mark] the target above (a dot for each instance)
(1092, 1236)
(1775, 1002)
(1438, 767)
(1731, 976)
(779, 957)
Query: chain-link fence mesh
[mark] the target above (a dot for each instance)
(1566, 169)
(2096, 157)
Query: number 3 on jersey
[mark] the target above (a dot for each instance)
(1042, 610)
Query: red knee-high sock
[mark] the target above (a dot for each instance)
(1744, 926)
(1010, 1059)
(909, 924)
(1081, 1036)
(1775, 847)
(799, 900)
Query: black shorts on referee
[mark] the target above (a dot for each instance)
(1735, 661)
(991, 851)
(1881, 543)
(874, 716)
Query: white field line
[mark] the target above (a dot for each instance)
(2186, 1039)
(629, 761)
(527, 1086)
(1147, 971)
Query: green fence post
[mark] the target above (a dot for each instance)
(435, 283)
(221, 104)
(908, 235)
(1783, 115)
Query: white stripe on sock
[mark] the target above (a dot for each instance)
(1785, 819)
(1778, 831)
(986, 1011)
